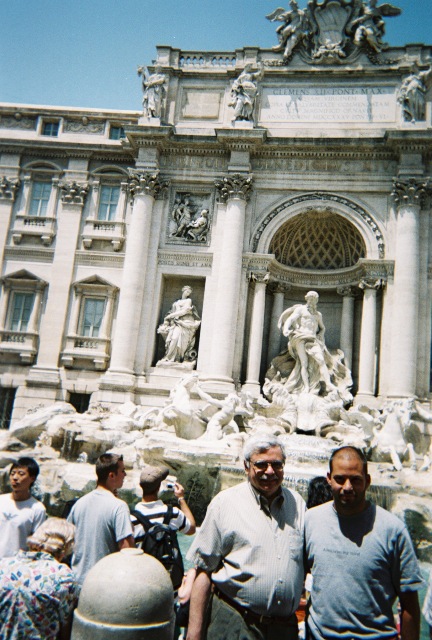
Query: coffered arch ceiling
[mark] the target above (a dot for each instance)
(318, 239)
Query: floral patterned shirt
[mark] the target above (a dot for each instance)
(37, 594)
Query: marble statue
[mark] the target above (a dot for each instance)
(181, 216)
(314, 366)
(222, 422)
(197, 230)
(243, 93)
(154, 88)
(412, 95)
(389, 442)
(369, 27)
(178, 330)
(293, 30)
(179, 411)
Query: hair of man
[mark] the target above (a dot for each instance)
(26, 463)
(319, 492)
(55, 536)
(260, 444)
(107, 463)
(347, 448)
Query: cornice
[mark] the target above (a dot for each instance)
(364, 270)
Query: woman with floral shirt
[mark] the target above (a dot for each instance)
(37, 593)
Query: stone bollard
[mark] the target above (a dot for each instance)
(127, 596)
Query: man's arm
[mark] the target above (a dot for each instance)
(184, 508)
(410, 615)
(125, 543)
(198, 605)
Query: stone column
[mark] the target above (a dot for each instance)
(256, 333)
(367, 364)
(347, 324)
(234, 189)
(275, 337)
(45, 373)
(144, 188)
(8, 190)
(408, 195)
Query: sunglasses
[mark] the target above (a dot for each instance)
(262, 465)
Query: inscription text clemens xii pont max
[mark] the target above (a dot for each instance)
(329, 104)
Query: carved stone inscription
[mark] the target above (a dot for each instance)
(329, 104)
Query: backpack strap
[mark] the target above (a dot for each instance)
(168, 515)
(142, 519)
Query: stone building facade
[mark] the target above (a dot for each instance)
(317, 179)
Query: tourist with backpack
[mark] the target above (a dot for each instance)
(156, 524)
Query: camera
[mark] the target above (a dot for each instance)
(170, 485)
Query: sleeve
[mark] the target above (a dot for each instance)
(410, 578)
(67, 592)
(427, 605)
(39, 517)
(206, 551)
(122, 522)
(179, 522)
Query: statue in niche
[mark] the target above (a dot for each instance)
(314, 366)
(178, 330)
(412, 95)
(293, 30)
(369, 27)
(243, 93)
(154, 88)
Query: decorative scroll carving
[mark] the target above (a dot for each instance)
(411, 192)
(259, 276)
(17, 121)
(8, 188)
(234, 186)
(331, 31)
(326, 197)
(371, 283)
(84, 126)
(146, 184)
(346, 292)
(73, 192)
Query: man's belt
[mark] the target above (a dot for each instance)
(255, 618)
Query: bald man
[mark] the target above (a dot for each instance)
(362, 560)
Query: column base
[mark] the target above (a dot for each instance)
(43, 377)
(217, 384)
(368, 399)
(252, 387)
(118, 381)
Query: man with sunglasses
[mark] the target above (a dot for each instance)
(249, 554)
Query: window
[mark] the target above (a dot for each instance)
(108, 202)
(116, 133)
(22, 306)
(92, 317)
(7, 397)
(40, 196)
(50, 129)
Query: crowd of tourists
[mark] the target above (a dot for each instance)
(260, 553)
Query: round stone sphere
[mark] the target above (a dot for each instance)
(128, 594)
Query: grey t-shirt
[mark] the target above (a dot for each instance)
(101, 521)
(360, 564)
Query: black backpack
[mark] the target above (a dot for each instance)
(160, 541)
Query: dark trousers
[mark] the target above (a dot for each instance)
(228, 624)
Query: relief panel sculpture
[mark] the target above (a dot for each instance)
(189, 220)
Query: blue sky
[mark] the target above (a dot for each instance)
(84, 53)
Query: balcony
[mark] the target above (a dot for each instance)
(18, 346)
(105, 230)
(36, 226)
(86, 352)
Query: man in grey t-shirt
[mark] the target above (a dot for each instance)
(361, 559)
(102, 521)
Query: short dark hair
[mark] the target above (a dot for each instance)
(105, 464)
(319, 492)
(355, 450)
(28, 463)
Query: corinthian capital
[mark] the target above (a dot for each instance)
(234, 186)
(371, 283)
(73, 192)
(410, 191)
(146, 184)
(8, 188)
